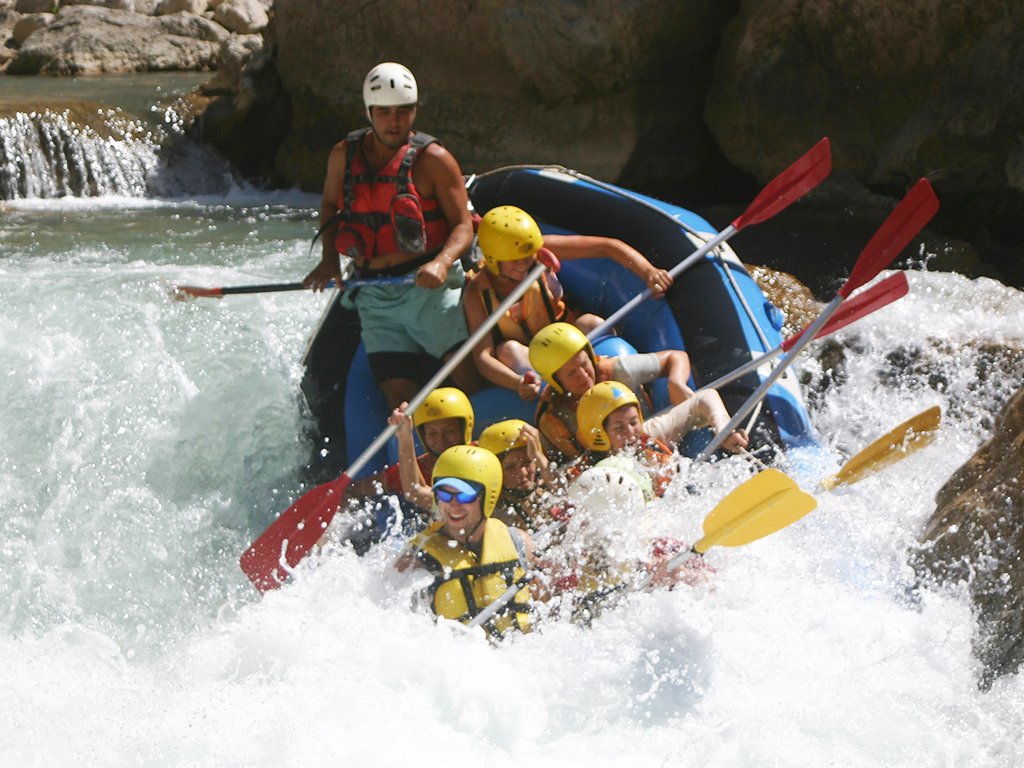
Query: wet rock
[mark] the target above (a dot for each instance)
(117, 5)
(976, 537)
(903, 90)
(603, 86)
(35, 6)
(86, 40)
(167, 7)
(28, 24)
(245, 17)
(235, 53)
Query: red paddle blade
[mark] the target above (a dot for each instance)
(877, 296)
(789, 186)
(909, 217)
(268, 560)
(183, 292)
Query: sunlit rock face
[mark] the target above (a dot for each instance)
(604, 87)
(976, 536)
(694, 101)
(904, 90)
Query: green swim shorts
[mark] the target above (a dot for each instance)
(406, 318)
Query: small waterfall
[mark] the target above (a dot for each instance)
(85, 150)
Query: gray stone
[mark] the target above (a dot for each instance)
(117, 5)
(242, 16)
(89, 40)
(28, 24)
(35, 6)
(976, 536)
(167, 7)
(235, 53)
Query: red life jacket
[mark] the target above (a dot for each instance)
(365, 208)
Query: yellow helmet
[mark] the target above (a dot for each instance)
(475, 465)
(503, 436)
(507, 233)
(596, 405)
(553, 346)
(444, 403)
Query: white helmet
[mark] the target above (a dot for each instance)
(389, 84)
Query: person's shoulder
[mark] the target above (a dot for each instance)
(437, 156)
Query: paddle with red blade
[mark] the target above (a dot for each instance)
(881, 294)
(786, 188)
(896, 232)
(268, 560)
(182, 292)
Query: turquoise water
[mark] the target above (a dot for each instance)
(144, 442)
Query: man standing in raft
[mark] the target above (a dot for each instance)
(394, 202)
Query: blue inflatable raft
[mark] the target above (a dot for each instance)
(715, 311)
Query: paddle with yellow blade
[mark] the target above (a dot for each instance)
(764, 504)
(760, 506)
(910, 436)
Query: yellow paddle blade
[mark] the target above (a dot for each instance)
(764, 504)
(912, 435)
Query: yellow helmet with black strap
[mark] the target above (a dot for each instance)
(596, 405)
(553, 346)
(507, 233)
(444, 403)
(474, 465)
(503, 436)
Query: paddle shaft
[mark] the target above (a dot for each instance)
(789, 186)
(450, 365)
(744, 410)
(275, 287)
(272, 556)
(851, 310)
(896, 232)
(685, 264)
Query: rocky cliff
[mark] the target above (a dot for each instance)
(976, 537)
(695, 100)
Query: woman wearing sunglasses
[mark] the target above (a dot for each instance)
(475, 557)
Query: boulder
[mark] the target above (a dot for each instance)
(117, 5)
(8, 21)
(28, 24)
(86, 40)
(235, 53)
(245, 17)
(904, 90)
(612, 89)
(167, 7)
(35, 6)
(976, 537)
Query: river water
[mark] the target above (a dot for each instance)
(144, 442)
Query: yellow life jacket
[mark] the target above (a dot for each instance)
(537, 308)
(465, 583)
